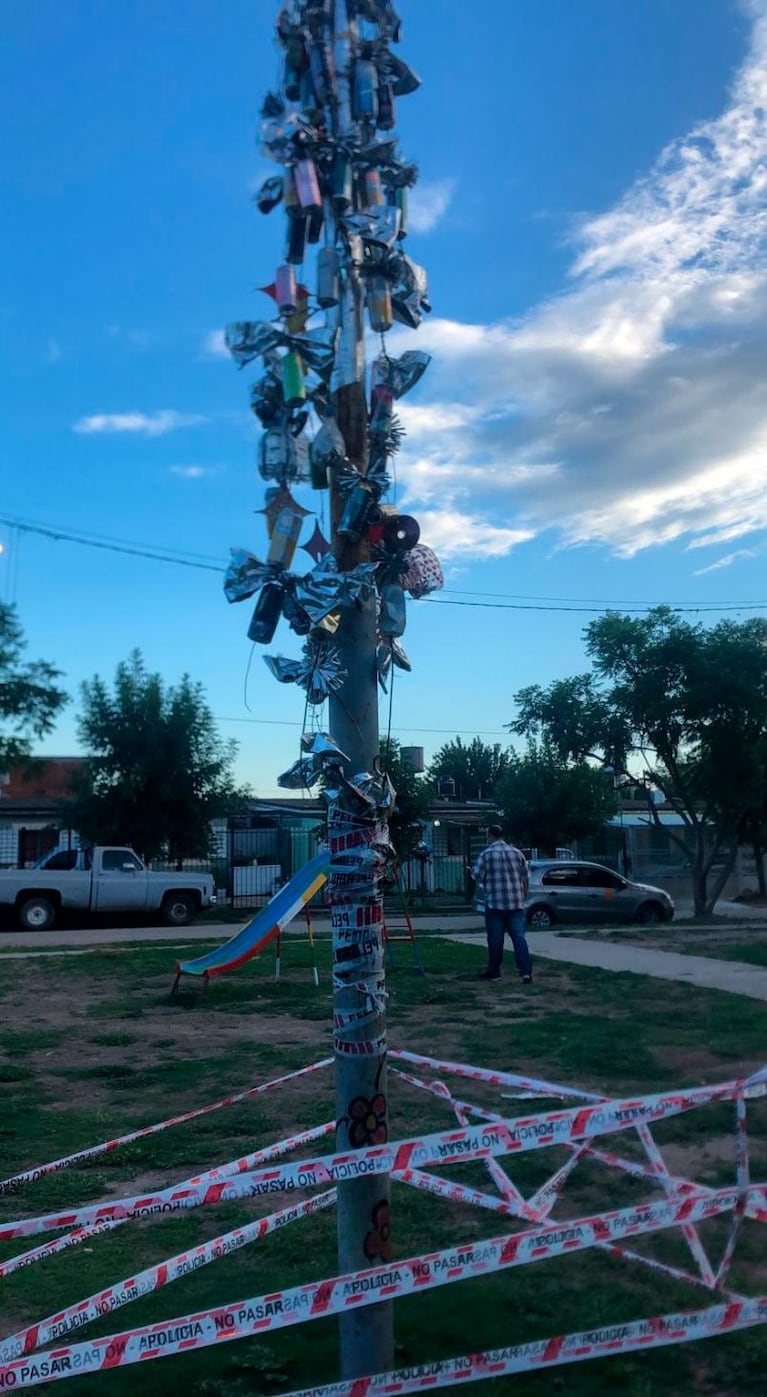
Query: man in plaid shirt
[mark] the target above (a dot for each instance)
(502, 872)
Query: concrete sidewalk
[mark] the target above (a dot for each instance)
(85, 938)
(732, 976)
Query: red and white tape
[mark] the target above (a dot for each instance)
(456, 1146)
(658, 1332)
(104, 1302)
(494, 1079)
(224, 1171)
(300, 1304)
(27, 1176)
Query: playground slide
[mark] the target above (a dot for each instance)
(256, 935)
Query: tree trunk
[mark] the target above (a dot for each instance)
(761, 881)
(713, 894)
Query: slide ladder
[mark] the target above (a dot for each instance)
(402, 929)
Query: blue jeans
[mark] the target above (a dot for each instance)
(499, 921)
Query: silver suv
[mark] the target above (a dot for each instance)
(587, 892)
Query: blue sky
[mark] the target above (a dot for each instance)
(592, 214)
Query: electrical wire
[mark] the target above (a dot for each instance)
(506, 602)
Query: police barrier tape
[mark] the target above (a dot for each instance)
(59, 1244)
(466, 1145)
(300, 1304)
(494, 1079)
(17, 1181)
(224, 1171)
(104, 1302)
(658, 1332)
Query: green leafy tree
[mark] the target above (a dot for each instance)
(414, 797)
(476, 767)
(686, 703)
(547, 800)
(30, 698)
(158, 772)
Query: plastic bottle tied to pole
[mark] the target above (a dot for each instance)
(293, 381)
(393, 617)
(316, 222)
(355, 513)
(286, 289)
(318, 472)
(290, 194)
(307, 185)
(321, 67)
(267, 614)
(276, 455)
(298, 234)
(284, 540)
(292, 81)
(379, 305)
(341, 183)
(401, 201)
(387, 117)
(328, 278)
(365, 90)
(374, 195)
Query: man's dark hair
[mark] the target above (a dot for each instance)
(494, 831)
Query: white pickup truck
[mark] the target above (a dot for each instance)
(102, 879)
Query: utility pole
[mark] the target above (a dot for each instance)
(344, 189)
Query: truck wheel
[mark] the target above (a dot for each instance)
(37, 913)
(178, 909)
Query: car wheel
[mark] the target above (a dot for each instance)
(37, 913)
(178, 909)
(650, 914)
(540, 917)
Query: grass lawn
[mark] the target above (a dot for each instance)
(724, 941)
(91, 1045)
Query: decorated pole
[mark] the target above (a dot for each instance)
(330, 423)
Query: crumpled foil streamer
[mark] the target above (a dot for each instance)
(325, 589)
(389, 652)
(319, 671)
(402, 374)
(307, 771)
(245, 575)
(251, 339)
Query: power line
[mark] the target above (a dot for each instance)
(456, 732)
(507, 601)
(112, 545)
(703, 609)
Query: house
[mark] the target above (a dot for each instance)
(31, 799)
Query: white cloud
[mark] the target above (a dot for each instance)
(192, 472)
(727, 561)
(214, 345)
(454, 534)
(149, 424)
(631, 409)
(428, 203)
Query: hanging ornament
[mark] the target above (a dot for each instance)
(317, 546)
(424, 572)
(276, 501)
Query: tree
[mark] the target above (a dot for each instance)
(158, 771)
(690, 705)
(547, 800)
(30, 698)
(414, 797)
(476, 767)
